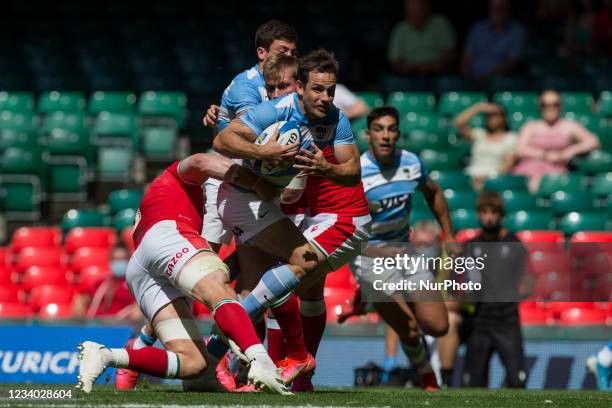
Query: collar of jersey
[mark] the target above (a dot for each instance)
(398, 155)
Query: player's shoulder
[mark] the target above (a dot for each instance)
(408, 158)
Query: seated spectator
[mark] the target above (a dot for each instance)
(493, 147)
(424, 43)
(349, 103)
(546, 146)
(579, 30)
(110, 297)
(602, 29)
(494, 46)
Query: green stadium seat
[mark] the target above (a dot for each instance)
(18, 121)
(22, 197)
(17, 101)
(444, 84)
(597, 161)
(22, 160)
(418, 201)
(453, 103)
(163, 105)
(425, 122)
(102, 101)
(119, 200)
(577, 102)
(517, 101)
(159, 143)
(563, 202)
(456, 180)
(16, 138)
(605, 103)
(585, 221)
(114, 163)
(68, 179)
(358, 127)
(528, 220)
(441, 160)
(394, 83)
(509, 84)
(503, 182)
(590, 121)
(561, 182)
(407, 102)
(602, 185)
(563, 83)
(61, 101)
(72, 121)
(372, 99)
(518, 201)
(420, 215)
(83, 218)
(62, 142)
(124, 218)
(116, 128)
(518, 119)
(458, 199)
(417, 141)
(464, 218)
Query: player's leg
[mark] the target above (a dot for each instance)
(508, 342)
(449, 343)
(391, 342)
(601, 366)
(477, 357)
(126, 379)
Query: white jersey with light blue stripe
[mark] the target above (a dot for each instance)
(246, 90)
(389, 190)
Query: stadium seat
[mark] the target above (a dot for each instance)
(52, 311)
(577, 101)
(506, 182)
(407, 102)
(30, 256)
(517, 101)
(498, 84)
(586, 221)
(445, 84)
(605, 103)
(116, 128)
(114, 164)
(17, 138)
(164, 104)
(102, 101)
(591, 236)
(544, 262)
(553, 286)
(535, 236)
(158, 143)
(14, 310)
(16, 101)
(341, 278)
(597, 161)
(528, 220)
(334, 300)
(531, 316)
(417, 141)
(70, 121)
(18, 121)
(6, 275)
(372, 99)
(464, 218)
(86, 256)
(61, 101)
(456, 180)
(561, 182)
(557, 308)
(563, 83)
(124, 219)
(579, 316)
(92, 237)
(82, 218)
(22, 160)
(68, 179)
(458, 199)
(35, 237)
(420, 214)
(9, 293)
(453, 103)
(518, 201)
(590, 121)
(43, 275)
(123, 199)
(430, 123)
(21, 198)
(602, 185)
(5, 256)
(45, 294)
(466, 234)
(126, 238)
(63, 142)
(562, 202)
(440, 160)
(90, 276)
(518, 119)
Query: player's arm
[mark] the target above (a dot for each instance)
(294, 190)
(346, 173)
(437, 202)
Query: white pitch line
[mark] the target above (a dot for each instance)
(82, 404)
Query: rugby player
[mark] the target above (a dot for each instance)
(171, 264)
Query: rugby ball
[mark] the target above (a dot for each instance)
(278, 173)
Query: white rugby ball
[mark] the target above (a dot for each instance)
(281, 173)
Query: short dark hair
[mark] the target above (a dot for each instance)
(273, 30)
(321, 61)
(377, 113)
(490, 200)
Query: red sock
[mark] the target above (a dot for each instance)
(149, 360)
(288, 317)
(276, 341)
(234, 322)
(260, 329)
(313, 322)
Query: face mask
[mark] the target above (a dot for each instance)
(118, 268)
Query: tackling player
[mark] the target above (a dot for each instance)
(171, 264)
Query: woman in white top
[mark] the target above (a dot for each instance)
(492, 147)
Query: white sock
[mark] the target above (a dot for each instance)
(258, 352)
(115, 357)
(174, 365)
(143, 340)
(604, 357)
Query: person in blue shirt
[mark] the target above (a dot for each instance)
(601, 366)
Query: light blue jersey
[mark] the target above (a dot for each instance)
(389, 190)
(246, 90)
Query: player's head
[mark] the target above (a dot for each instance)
(550, 105)
(425, 233)
(119, 257)
(490, 210)
(317, 76)
(275, 37)
(499, 11)
(383, 132)
(280, 73)
(417, 11)
(497, 120)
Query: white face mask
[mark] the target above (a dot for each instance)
(118, 268)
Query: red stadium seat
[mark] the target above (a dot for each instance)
(9, 293)
(5, 275)
(541, 262)
(93, 237)
(126, 238)
(10, 310)
(557, 308)
(45, 294)
(334, 299)
(465, 234)
(341, 278)
(38, 237)
(592, 236)
(578, 316)
(55, 311)
(588, 243)
(5, 256)
(534, 316)
(30, 256)
(43, 275)
(553, 286)
(84, 257)
(540, 236)
(91, 276)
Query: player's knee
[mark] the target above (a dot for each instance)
(203, 273)
(193, 364)
(305, 258)
(435, 328)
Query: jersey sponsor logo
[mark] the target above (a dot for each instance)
(413, 171)
(263, 213)
(175, 260)
(393, 203)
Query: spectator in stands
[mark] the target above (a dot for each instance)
(602, 29)
(494, 46)
(424, 43)
(579, 26)
(111, 296)
(492, 147)
(546, 146)
(349, 103)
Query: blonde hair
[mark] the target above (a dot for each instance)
(275, 65)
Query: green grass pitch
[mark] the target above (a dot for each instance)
(173, 397)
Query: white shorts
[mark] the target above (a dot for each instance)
(154, 265)
(214, 231)
(245, 214)
(339, 237)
